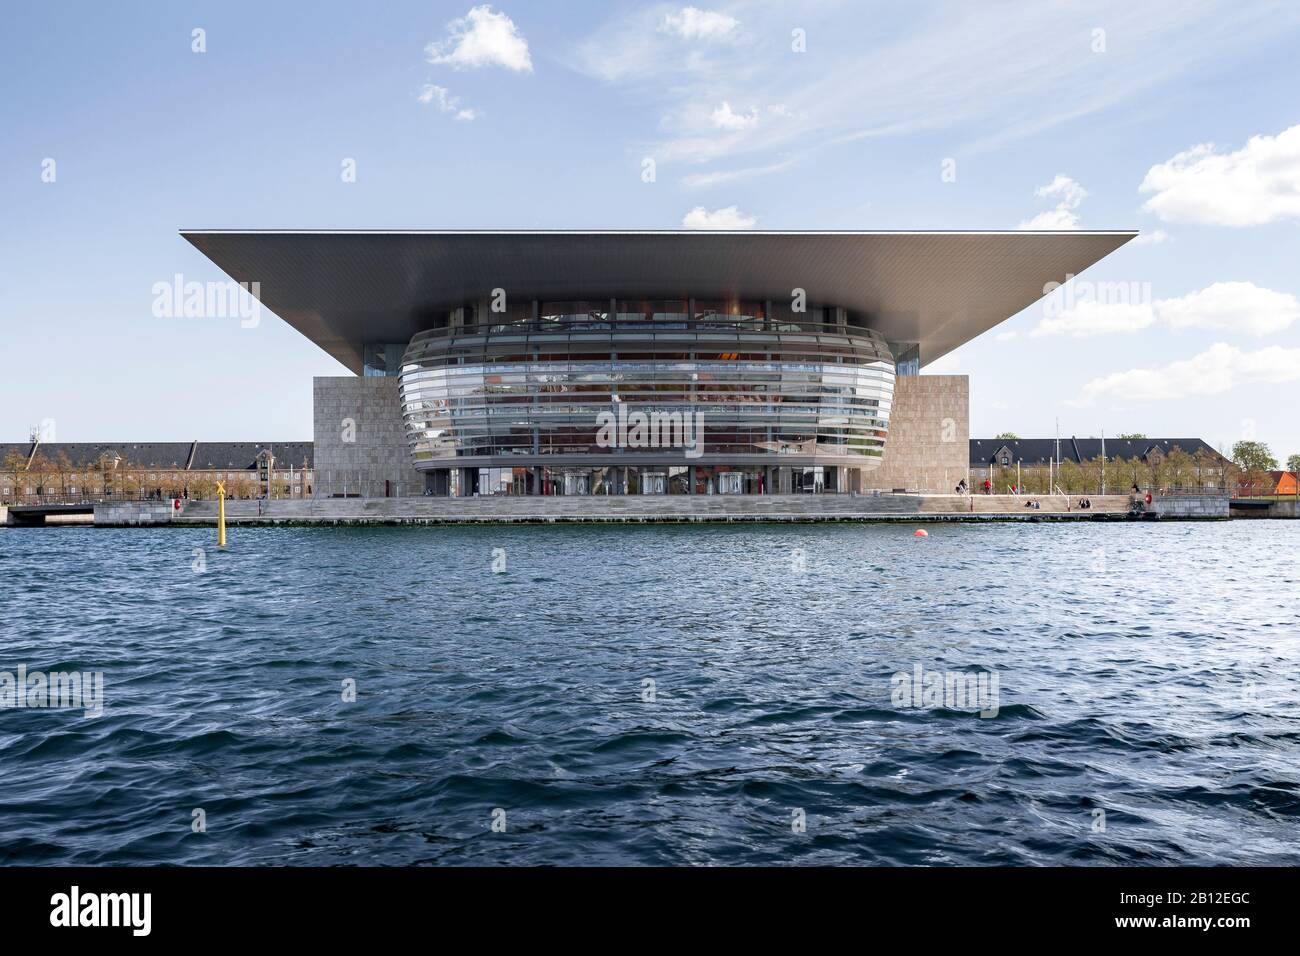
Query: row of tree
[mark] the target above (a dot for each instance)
(1247, 473)
(1254, 460)
(1257, 456)
(1176, 471)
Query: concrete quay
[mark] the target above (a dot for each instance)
(632, 509)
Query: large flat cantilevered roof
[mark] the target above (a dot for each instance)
(346, 289)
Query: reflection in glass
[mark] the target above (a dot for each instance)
(763, 390)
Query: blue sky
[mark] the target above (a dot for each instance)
(1179, 119)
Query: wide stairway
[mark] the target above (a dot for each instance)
(1017, 504)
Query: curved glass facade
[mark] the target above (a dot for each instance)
(625, 383)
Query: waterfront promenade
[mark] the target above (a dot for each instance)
(630, 509)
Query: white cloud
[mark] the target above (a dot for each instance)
(724, 117)
(1057, 220)
(957, 70)
(1062, 187)
(728, 217)
(1153, 238)
(482, 38)
(1089, 318)
(693, 23)
(1007, 336)
(1223, 307)
(1259, 183)
(1231, 306)
(729, 175)
(1218, 369)
(1068, 195)
(441, 97)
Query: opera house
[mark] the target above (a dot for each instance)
(620, 362)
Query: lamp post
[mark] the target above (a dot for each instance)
(1103, 461)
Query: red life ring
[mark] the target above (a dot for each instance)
(1148, 498)
(176, 504)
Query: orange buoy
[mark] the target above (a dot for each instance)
(920, 533)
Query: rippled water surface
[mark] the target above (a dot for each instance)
(1147, 712)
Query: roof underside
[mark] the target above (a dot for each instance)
(344, 290)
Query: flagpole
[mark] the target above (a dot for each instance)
(1103, 461)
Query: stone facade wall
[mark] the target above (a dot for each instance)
(134, 512)
(1191, 506)
(928, 445)
(360, 443)
(1283, 509)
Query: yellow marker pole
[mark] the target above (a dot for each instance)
(221, 514)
